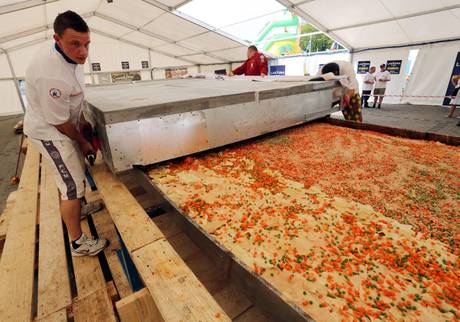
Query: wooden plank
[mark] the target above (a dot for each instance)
(95, 307)
(177, 293)
(6, 214)
(87, 270)
(134, 225)
(138, 307)
(59, 316)
(17, 262)
(106, 228)
(53, 281)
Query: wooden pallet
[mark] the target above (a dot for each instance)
(39, 278)
(41, 281)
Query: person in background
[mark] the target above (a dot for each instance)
(368, 85)
(255, 65)
(455, 100)
(381, 80)
(351, 102)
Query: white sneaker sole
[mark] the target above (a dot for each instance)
(94, 253)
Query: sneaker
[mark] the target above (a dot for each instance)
(90, 208)
(88, 246)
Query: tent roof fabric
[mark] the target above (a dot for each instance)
(149, 24)
(362, 24)
(157, 25)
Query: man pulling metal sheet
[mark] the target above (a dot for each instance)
(55, 124)
(255, 65)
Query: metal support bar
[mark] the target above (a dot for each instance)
(15, 80)
(150, 63)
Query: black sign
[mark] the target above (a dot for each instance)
(145, 64)
(220, 72)
(124, 65)
(363, 66)
(450, 86)
(394, 66)
(96, 67)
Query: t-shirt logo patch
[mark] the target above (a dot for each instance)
(55, 93)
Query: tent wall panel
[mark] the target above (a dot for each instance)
(81, 7)
(107, 26)
(23, 40)
(21, 58)
(234, 54)
(144, 39)
(125, 10)
(439, 25)
(15, 22)
(4, 67)
(174, 27)
(378, 57)
(378, 23)
(159, 60)
(303, 65)
(431, 73)
(11, 104)
(383, 34)
(209, 69)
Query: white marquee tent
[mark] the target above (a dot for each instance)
(157, 32)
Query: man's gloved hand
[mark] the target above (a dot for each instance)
(88, 152)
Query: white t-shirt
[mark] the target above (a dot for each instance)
(54, 91)
(346, 69)
(368, 78)
(380, 76)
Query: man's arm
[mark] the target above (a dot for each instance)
(69, 129)
(263, 65)
(55, 102)
(240, 70)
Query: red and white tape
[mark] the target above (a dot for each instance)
(417, 96)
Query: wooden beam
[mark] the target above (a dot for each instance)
(6, 214)
(17, 262)
(88, 273)
(93, 302)
(138, 307)
(95, 307)
(59, 316)
(106, 228)
(134, 225)
(53, 281)
(176, 292)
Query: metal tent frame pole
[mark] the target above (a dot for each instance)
(15, 79)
